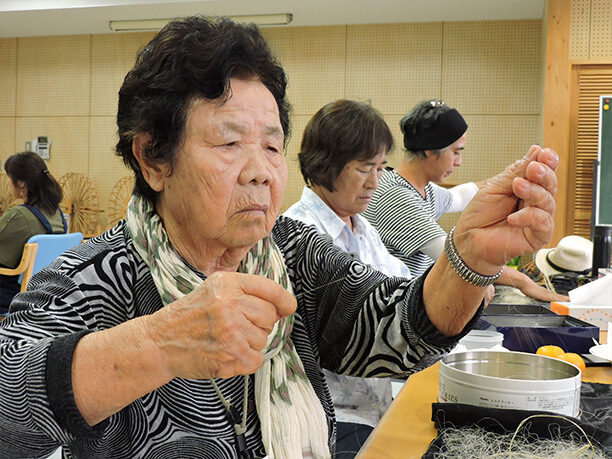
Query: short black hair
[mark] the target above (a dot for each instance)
(190, 58)
(341, 131)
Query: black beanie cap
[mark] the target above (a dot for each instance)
(449, 127)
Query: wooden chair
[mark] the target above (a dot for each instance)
(39, 252)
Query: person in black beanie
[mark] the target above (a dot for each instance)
(407, 204)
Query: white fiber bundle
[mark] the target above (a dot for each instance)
(477, 443)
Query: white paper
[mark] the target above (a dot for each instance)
(596, 293)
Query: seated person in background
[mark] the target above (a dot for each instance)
(30, 180)
(343, 153)
(198, 326)
(407, 204)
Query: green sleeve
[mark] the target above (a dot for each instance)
(14, 233)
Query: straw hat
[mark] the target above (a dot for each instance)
(572, 254)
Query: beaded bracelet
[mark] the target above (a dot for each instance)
(464, 271)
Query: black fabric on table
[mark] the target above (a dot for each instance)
(595, 418)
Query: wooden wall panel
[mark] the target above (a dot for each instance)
(580, 29)
(394, 65)
(70, 141)
(588, 83)
(578, 36)
(53, 76)
(112, 56)
(66, 87)
(494, 142)
(557, 102)
(295, 182)
(7, 139)
(314, 59)
(396, 155)
(474, 53)
(8, 76)
(601, 29)
(590, 34)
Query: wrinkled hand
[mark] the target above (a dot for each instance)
(512, 213)
(219, 329)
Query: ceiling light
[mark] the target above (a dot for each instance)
(140, 25)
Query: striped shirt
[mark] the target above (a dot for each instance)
(406, 221)
(350, 319)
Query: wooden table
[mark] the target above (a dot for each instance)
(406, 429)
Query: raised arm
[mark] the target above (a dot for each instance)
(512, 214)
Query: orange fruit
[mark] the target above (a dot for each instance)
(550, 351)
(575, 359)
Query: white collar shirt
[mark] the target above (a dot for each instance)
(363, 240)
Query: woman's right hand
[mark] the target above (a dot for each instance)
(220, 328)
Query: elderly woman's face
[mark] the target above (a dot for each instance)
(230, 175)
(354, 186)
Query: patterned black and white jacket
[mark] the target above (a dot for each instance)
(364, 325)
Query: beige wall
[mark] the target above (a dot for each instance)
(65, 87)
(590, 31)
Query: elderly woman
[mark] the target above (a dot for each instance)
(342, 155)
(198, 327)
(406, 207)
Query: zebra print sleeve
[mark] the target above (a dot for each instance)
(350, 318)
(364, 323)
(53, 311)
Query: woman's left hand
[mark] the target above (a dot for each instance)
(511, 215)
